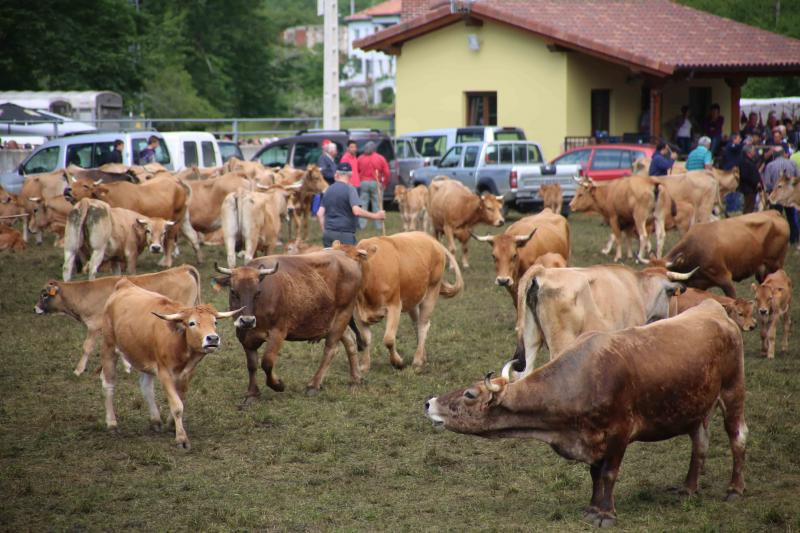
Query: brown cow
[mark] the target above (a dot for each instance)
(49, 214)
(551, 260)
(11, 239)
(523, 242)
(254, 218)
(786, 192)
(41, 187)
(680, 219)
(413, 205)
(773, 299)
(205, 210)
(111, 234)
(552, 197)
(159, 337)
(302, 247)
(739, 309)
(403, 273)
(165, 198)
(627, 201)
(84, 300)
(297, 298)
(607, 390)
(308, 183)
(731, 250)
(455, 211)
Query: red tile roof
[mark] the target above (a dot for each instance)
(388, 8)
(656, 36)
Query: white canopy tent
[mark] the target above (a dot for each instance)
(785, 107)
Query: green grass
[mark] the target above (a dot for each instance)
(363, 460)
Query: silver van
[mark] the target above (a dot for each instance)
(86, 151)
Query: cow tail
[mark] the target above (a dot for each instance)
(527, 296)
(447, 290)
(196, 276)
(73, 232)
(361, 344)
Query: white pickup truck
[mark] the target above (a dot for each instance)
(513, 169)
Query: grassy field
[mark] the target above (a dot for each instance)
(362, 460)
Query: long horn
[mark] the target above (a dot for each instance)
(98, 182)
(525, 238)
(643, 260)
(500, 197)
(678, 276)
(222, 270)
(264, 271)
(228, 314)
(491, 387)
(486, 238)
(506, 373)
(172, 318)
(264, 187)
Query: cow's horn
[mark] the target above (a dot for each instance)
(169, 223)
(172, 318)
(141, 221)
(36, 199)
(491, 387)
(506, 373)
(643, 260)
(264, 271)
(485, 238)
(98, 182)
(577, 178)
(678, 276)
(525, 238)
(73, 178)
(228, 314)
(223, 270)
(500, 197)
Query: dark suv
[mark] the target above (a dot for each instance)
(305, 148)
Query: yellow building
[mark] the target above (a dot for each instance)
(567, 68)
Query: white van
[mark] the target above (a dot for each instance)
(192, 148)
(432, 144)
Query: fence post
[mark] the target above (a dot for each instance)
(235, 131)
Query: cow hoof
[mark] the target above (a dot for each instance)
(248, 401)
(277, 386)
(113, 429)
(732, 496)
(311, 391)
(603, 520)
(682, 491)
(399, 365)
(157, 427)
(418, 368)
(184, 446)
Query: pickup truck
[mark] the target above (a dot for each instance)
(513, 169)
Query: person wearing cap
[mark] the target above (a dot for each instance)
(341, 207)
(662, 160)
(373, 171)
(782, 166)
(700, 157)
(327, 160)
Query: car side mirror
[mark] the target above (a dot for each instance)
(435, 161)
(20, 170)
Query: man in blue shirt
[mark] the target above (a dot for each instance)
(700, 157)
(148, 153)
(340, 209)
(662, 162)
(732, 153)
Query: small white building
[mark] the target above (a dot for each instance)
(369, 76)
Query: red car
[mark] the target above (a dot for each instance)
(605, 161)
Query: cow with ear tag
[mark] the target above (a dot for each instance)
(155, 230)
(160, 338)
(609, 389)
(307, 297)
(773, 300)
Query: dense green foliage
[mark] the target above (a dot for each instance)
(779, 16)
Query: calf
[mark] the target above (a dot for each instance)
(158, 337)
(455, 211)
(301, 247)
(254, 218)
(84, 300)
(413, 205)
(552, 197)
(297, 298)
(517, 249)
(773, 299)
(402, 273)
(607, 390)
(738, 309)
(551, 260)
(49, 214)
(11, 239)
(698, 188)
(110, 233)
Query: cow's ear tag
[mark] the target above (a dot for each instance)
(215, 286)
(52, 292)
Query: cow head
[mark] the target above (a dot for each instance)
(5, 196)
(658, 286)
(742, 312)
(784, 192)
(155, 232)
(584, 199)
(549, 191)
(476, 410)
(37, 211)
(505, 252)
(199, 326)
(245, 284)
(49, 299)
(79, 188)
(764, 297)
(491, 209)
(400, 192)
(313, 181)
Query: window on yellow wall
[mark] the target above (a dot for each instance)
(601, 110)
(482, 109)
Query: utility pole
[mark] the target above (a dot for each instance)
(330, 87)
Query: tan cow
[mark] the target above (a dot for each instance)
(552, 197)
(11, 239)
(774, 299)
(699, 188)
(551, 260)
(49, 214)
(166, 198)
(455, 211)
(402, 273)
(253, 170)
(307, 183)
(205, 210)
(41, 187)
(254, 218)
(739, 309)
(85, 300)
(627, 201)
(523, 242)
(159, 337)
(112, 234)
(413, 205)
(302, 247)
(680, 219)
(610, 389)
(786, 192)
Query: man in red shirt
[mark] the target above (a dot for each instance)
(351, 158)
(373, 171)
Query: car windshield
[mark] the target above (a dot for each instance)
(45, 160)
(508, 135)
(431, 145)
(228, 150)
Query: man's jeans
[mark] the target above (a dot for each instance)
(369, 201)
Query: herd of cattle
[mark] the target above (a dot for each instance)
(635, 355)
